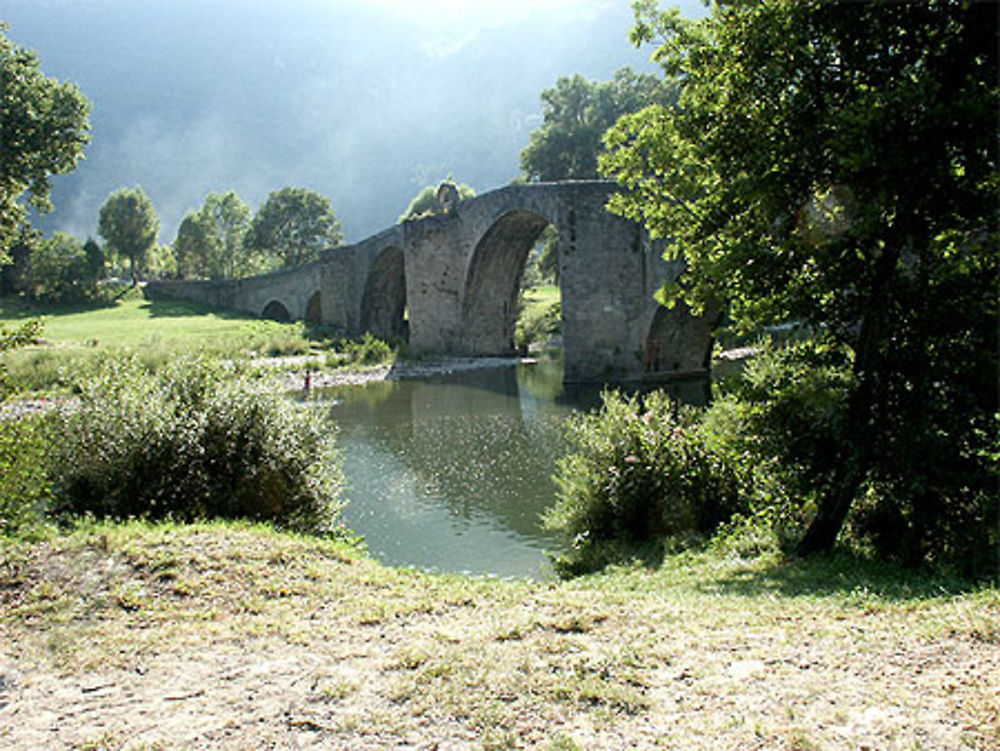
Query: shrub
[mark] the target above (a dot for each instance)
(367, 350)
(639, 471)
(930, 498)
(196, 441)
(12, 339)
(780, 425)
(25, 446)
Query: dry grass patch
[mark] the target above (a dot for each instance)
(232, 637)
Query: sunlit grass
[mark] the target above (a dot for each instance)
(77, 339)
(764, 650)
(538, 299)
(139, 321)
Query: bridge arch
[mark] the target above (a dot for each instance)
(383, 303)
(275, 310)
(678, 343)
(314, 309)
(493, 279)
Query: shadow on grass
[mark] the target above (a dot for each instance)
(164, 308)
(22, 311)
(838, 574)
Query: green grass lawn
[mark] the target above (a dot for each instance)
(539, 299)
(76, 338)
(133, 322)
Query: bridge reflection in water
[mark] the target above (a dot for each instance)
(452, 473)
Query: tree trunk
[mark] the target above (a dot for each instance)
(859, 433)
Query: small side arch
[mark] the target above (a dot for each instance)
(383, 303)
(276, 311)
(314, 309)
(679, 343)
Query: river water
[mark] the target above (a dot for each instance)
(452, 473)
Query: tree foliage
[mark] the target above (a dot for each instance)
(426, 203)
(211, 243)
(576, 113)
(43, 129)
(62, 269)
(129, 225)
(837, 164)
(293, 226)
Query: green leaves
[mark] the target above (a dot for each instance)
(576, 113)
(43, 129)
(129, 224)
(639, 471)
(835, 164)
(211, 243)
(198, 440)
(293, 226)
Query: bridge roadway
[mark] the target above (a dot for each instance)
(449, 283)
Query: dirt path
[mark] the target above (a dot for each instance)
(235, 638)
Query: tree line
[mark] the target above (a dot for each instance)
(221, 240)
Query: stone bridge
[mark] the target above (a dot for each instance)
(450, 284)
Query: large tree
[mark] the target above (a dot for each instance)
(575, 114)
(43, 129)
(129, 225)
(191, 247)
(293, 226)
(836, 163)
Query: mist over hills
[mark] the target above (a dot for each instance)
(356, 99)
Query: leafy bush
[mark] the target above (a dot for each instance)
(25, 446)
(196, 441)
(538, 326)
(64, 269)
(930, 498)
(753, 467)
(639, 471)
(780, 424)
(11, 339)
(366, 350)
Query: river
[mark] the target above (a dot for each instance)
(452, 473)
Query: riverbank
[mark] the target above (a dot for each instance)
(292, 373)
(296, 369)
(236, 637)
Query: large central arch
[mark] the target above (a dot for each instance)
(489, 310)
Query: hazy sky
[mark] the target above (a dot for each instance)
(364, 101)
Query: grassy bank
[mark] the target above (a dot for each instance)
(229, 636)
(77, 338)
